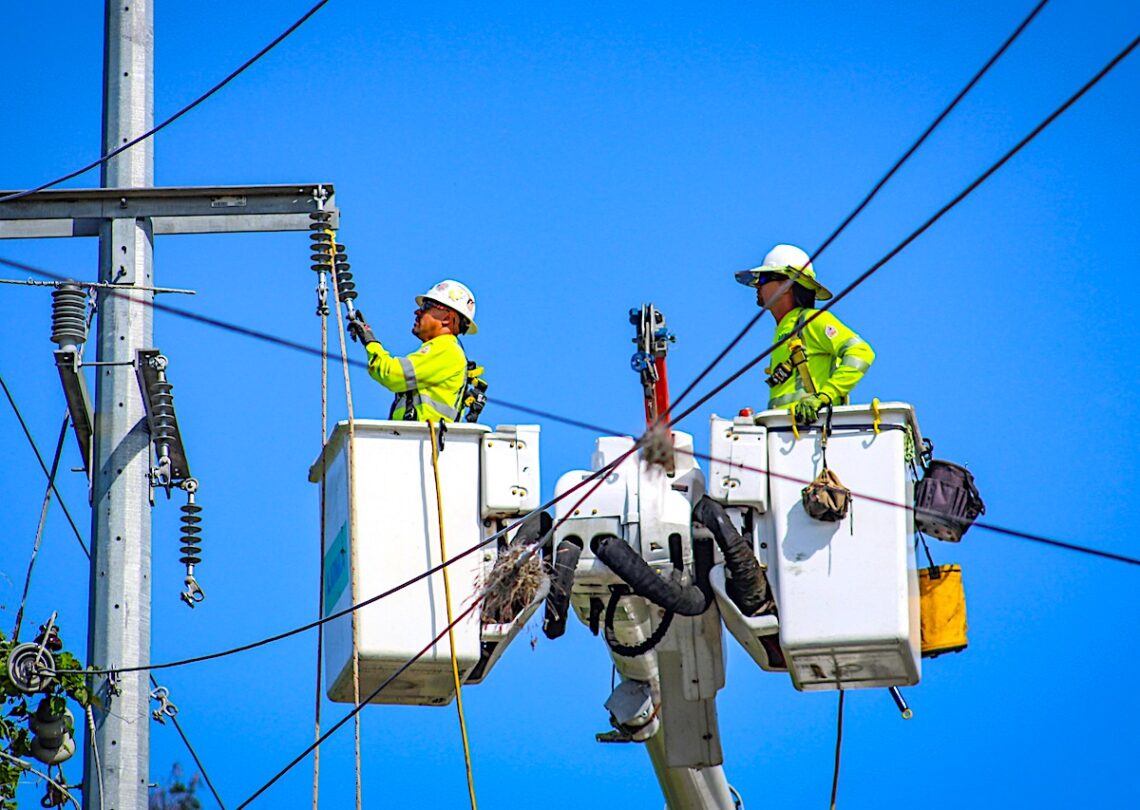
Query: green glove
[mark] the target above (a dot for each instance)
(807, 409)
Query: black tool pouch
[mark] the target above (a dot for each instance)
(946, 501)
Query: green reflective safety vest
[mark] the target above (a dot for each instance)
(837, 358)
(428, 383)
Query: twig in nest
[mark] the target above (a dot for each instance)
(657, 446)
(512, 585)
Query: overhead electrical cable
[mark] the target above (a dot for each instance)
(168, 121)
(356, 709)
(1037, 130)
(286, 343)
(981, 524)
(63, 506)
(194, 754)
(598, 477)
(870, 195)
(43, 466)
(40, 526)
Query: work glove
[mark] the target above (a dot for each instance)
(361, 331)
(807, 409)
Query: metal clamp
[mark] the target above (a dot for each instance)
(165, 707)
(193, 593)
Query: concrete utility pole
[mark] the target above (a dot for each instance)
(119, 618)
(126, 214)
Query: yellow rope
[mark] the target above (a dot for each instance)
(351, 499)
(450, 620)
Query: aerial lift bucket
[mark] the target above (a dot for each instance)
(385, 530)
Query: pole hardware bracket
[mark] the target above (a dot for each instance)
(170, 468)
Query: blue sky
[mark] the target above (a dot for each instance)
(569, 161)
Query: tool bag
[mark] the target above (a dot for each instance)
(946, 501)
(825, 498)
(942, 601)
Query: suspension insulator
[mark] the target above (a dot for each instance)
(69, 315)
(191, 548)
(346, 287)
(162, 412)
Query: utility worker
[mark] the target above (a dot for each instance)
(836, 357)
(429, 383)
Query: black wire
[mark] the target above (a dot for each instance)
(922, 228)
(43, 466)
(874, 191)
(286, 343)
(193, 753)
(356, 709)
(40, 530)
(1037, 538)
(598, 475)
(120, 149)
(970, 188)
(86, 551)
(838, 748)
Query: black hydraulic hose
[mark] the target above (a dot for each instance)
(748, 587)
(557, 606)
(703, 559)
(610, 635)
(688, 600)
(535, 526)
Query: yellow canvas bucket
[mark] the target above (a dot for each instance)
(943, 606)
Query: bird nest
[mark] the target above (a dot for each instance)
(512, 585)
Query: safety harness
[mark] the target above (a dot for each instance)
(469, 403)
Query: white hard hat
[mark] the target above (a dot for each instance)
(790, 261)
(455, 296)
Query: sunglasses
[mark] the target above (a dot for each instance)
(428, 306)
(759, 279)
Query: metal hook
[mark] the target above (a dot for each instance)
(165, 707)
(193, 593)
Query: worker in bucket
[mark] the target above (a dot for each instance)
(430, 383)
(823, 361)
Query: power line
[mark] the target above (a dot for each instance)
(356, 709)
(293, 345)
(981, 524)
(43, 466)
(120, 149)
(924, 227)
(872, 193)
(63, 506)
(193, 753)
(597, 475)
(40, 527)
